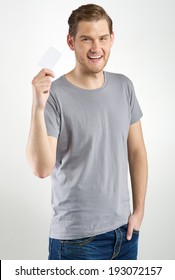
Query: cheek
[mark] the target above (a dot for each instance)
(81, 51)
(80, 56)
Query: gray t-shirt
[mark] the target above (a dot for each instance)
(90, 193)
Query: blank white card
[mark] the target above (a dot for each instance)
(50, 58)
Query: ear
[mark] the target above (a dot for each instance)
(70, 42)
(112, 38)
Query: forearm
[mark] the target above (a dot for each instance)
(139, 175)
(39, 152)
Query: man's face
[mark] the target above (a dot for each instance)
(92, 45)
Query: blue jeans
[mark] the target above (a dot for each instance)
(112, 245)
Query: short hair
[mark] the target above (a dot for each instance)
(89, 12)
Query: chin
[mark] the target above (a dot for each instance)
(96, 69)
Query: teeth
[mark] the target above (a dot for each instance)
(95, 57)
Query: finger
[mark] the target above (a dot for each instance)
(43, 73)
(129, 232)
(45, 79)
(43, 82)
(47, 72)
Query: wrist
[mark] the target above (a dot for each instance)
(37, 110)
(139, 213)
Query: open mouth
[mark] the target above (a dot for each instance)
(94, 57)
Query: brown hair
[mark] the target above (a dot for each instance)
(89, 12)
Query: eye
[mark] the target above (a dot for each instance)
(103, 38)
(86, 39)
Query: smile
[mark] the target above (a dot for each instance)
(95, 57)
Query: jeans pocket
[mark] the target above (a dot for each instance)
(79, 242)
(54, 249)
(125, 227)
(50, 244)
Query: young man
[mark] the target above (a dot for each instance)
(85, 128)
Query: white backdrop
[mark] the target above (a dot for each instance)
(144, 50)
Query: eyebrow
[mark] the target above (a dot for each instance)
(88, 36)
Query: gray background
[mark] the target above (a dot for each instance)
(144, 51)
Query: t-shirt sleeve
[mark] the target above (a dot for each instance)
(52, 116)
(135, 110)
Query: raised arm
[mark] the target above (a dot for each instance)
(139, 172)
(41, 148)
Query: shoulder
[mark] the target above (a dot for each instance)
(118, 77)
(58, 87)
(120, 81)
(59, 81)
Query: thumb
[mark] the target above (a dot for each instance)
(129, 232)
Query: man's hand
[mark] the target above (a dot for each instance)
(134, 222)
(41, 84)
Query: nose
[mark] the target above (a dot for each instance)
(95, 46)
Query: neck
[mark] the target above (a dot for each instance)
(85, 80)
